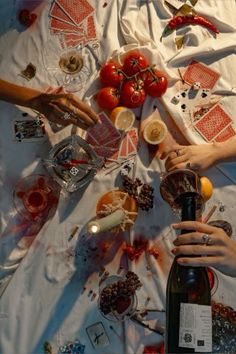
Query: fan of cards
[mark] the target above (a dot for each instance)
(74, 20)
(111, 144)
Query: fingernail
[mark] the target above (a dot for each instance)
(173, 250)
(174, 225)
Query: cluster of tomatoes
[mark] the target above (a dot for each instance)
(129, 84)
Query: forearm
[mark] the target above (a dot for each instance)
(225, 151)
(22, 96)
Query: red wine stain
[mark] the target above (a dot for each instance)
(104, 5)
(20, 194)
(41, 182)
(35, 199)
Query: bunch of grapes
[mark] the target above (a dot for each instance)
(117, 296)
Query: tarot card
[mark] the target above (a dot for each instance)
(31, 130)
(57, 12)
(98, 335)
(213, 123)
(76, 10)
(226, 134)
(198, 72)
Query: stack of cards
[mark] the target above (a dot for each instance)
(74, 19)
(215, 125)
(110, 143)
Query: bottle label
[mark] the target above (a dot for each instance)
(195, 327)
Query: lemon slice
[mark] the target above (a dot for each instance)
(154, 132)
(123, 118)
(206, 188)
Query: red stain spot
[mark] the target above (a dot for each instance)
(105, 4)
(135, 251)
(154, 251)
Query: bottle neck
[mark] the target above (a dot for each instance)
(188, 208)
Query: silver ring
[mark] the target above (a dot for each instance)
(66, 116)
(207, 240)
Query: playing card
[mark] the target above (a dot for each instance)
(198, 72)
(31, 130)
(104, 152)
(226, 134)
(104, 131)
(131, 149)
(76, 10)
(123, 148)
(57, 12)
(91, 29)
(97, 335)
(133, 136)
(64, 27)
(213, 122)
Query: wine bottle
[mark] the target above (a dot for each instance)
(188, 300)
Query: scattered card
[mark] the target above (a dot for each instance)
(213, 122)
(61, 26)
(198, 72)
(57, 12)
(226, 134)
(98, 335)
(29, 130)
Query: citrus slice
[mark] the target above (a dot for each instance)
(154, 132)
(123, 118)
(206, 188)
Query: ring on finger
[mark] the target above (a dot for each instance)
(207, 240)
(66, 116)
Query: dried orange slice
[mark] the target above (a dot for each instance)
(122, 117)
(154, 132)
(206, 188)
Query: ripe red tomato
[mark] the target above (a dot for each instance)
(132, 94)
(155, 83)
(134, 61)
(108, 98)
(111, 75)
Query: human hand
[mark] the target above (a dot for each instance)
(206, 246)
(197, 157)
(64, 109)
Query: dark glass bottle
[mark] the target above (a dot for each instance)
(187, 288)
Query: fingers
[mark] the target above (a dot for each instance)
(198, 250)
(207, 261)
(84, 107)
(175, 162)
(173, 149)
(195, 226)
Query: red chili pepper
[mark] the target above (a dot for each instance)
(191, 19)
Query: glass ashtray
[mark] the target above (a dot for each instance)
(72, 163)
(119, 307)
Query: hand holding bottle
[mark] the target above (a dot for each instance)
(210, 246)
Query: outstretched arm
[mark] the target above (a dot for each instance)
(53, 106)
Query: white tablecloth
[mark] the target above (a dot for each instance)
(45, 299)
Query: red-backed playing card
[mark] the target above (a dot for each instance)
(76, 10)
(133, 135)
(213, 122)
(198, 72)
(91, 29)
(104, 131)
(57, 12)
(123, 148)
(226, 134)
(60, 26)
(104, 152)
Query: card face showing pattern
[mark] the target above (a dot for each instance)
(61, 26)
(213, 123)
(76, 10)
(57, 12)
(226, 134)
(198, 72)
(31, 130)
